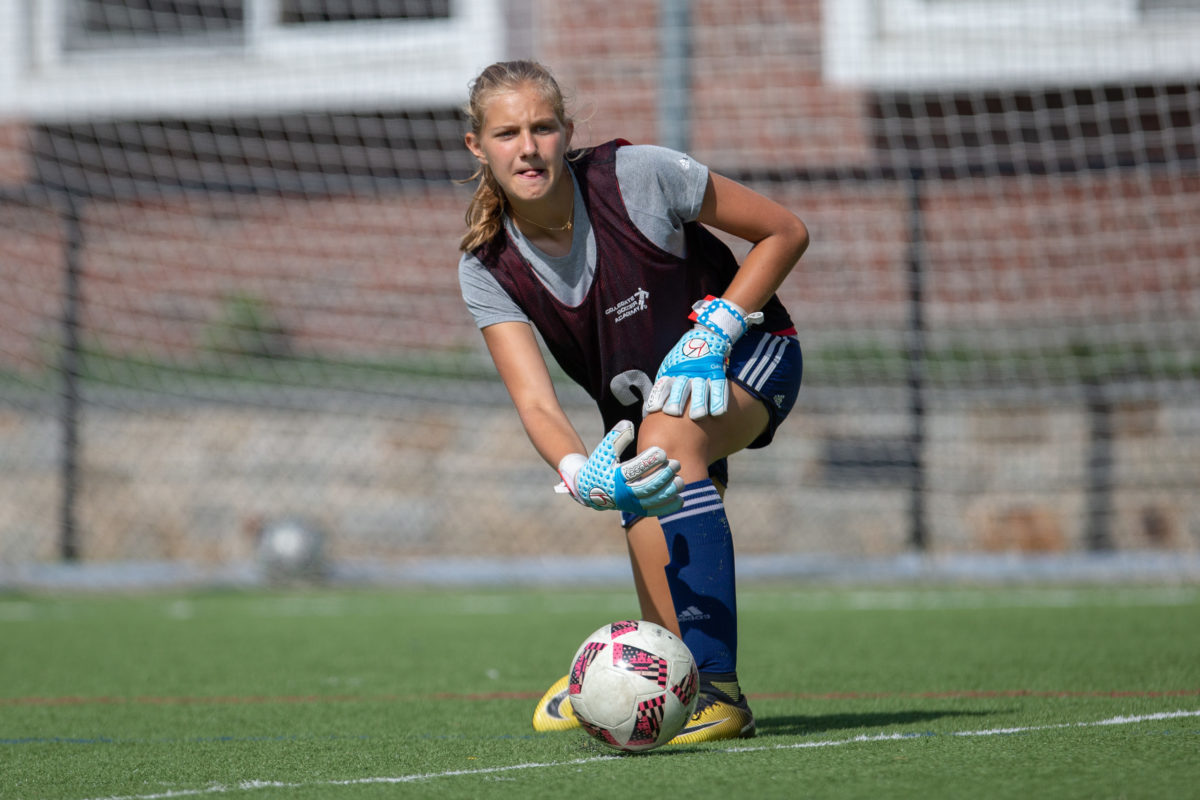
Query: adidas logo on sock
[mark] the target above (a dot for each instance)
(692, 614)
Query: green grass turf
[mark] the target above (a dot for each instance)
(363, 694)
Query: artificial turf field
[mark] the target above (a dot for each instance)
(1067, 692)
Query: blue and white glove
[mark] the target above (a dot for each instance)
(647, 484)
(696, 365)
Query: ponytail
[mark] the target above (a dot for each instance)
(485, 214)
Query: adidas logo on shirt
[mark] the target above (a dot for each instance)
(693, 614)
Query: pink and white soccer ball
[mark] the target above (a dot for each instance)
(633, 685)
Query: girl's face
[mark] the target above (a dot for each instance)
(523, 142)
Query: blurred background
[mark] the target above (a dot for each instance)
(229, 303)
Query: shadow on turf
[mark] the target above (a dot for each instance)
(799, 726)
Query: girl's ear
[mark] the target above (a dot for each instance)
(473, 145)
(570, 133)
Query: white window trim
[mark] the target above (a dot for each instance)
(915, 44)
(331, 66)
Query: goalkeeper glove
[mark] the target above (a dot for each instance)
(647, 484)
(696, 365)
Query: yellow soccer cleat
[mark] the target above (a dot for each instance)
(554, 712)
(717, 717)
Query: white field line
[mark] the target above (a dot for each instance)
(891, 737)
(246, 786)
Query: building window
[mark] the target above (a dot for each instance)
(147, 59)
(1169, 6)
(103, 24)
(115, 24)
(964, 43)
(300, 12)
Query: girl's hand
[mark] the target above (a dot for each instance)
(647, 484)
(696, 365)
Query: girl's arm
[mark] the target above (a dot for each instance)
(695, 367)
(779, 238)
(648, 483)
(523, 370)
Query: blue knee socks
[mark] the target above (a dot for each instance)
(701, 577)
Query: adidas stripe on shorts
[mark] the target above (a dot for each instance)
(768, 366)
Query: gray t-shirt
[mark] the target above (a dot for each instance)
(662, 190)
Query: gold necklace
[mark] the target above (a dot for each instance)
(569, 226)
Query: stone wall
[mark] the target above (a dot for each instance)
(430, 479)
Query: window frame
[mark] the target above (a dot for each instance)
(888, 44)
(272, 66)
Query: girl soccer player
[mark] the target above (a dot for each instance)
(605, 252)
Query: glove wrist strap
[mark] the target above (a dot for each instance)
(726, 319)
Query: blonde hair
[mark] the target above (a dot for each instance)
(485, 214)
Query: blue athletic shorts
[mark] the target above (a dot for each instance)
(769, 366)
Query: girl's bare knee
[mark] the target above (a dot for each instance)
(682, 439)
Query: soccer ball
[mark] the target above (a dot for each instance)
(633, 685)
